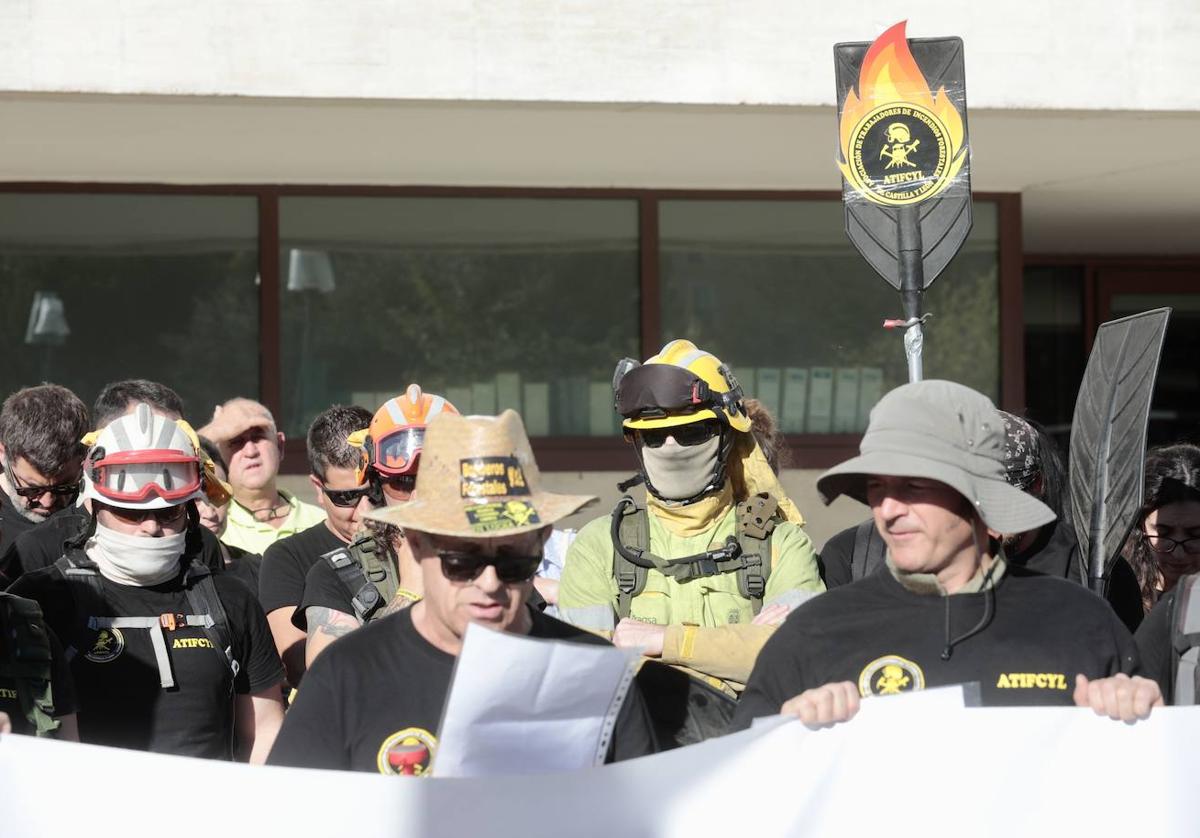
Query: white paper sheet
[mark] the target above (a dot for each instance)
(519, 705)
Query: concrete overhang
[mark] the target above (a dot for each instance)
(1092, 182)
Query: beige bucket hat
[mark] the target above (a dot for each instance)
(478, 478)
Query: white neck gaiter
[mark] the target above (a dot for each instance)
(680, 472)
(135, 559)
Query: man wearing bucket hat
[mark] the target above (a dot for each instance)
(168, 655)
(477, 521)
(697, 575)
(949, 609)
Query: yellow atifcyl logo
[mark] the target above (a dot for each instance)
(890, 675)
(108, 646)
(407, 753)
(899, 155)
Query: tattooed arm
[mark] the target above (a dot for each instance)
(325, 625)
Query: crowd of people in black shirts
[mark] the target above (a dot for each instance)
(165, 594)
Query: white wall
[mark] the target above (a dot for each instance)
(1106, 54)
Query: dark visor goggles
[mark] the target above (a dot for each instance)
(657, 390)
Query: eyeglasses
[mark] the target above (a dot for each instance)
(397, 486)
(66, 491)
(167, 517)
(1164, 545)
(347, 498)
(693, 433)
(466, 567)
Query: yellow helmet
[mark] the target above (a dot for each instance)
(680, 385)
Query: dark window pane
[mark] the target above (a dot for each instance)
(492, 302)
(775, 289)
(98, 288)
(1054, 348)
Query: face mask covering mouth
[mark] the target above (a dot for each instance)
(135, 560)
(681, 472)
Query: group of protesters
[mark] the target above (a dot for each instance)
(164, 593)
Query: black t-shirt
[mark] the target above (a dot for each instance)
(244, 565)
(835, 558)
(62, 687)
(322, 589)
(876, 633)
(121, 700)
(373, 701)
(45, 544)
(286, 562)
(1154, 643)
(12, 526)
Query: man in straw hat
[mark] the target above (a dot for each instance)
(373, 701)
(948, 609)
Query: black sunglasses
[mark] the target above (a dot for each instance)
(347, 498)
(169, 516)
(693, 433)
(27, 492)
(400, 483)
(466, 567)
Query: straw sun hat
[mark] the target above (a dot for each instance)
(478, 478)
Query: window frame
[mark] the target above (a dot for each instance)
(571, 453)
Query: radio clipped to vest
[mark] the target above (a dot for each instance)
(368, 577)
(748, 554)
(27, 661)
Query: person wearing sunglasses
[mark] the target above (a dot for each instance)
(169, 654)
(40, 455)
(343, 497)
(699, 574)
(477, 523)
(376, 573)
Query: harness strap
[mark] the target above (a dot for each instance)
(742, 554)
(157, 640)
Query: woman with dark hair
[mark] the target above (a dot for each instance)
(1165, 544)
(1164, 549)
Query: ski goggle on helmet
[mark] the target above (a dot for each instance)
(680, 385)
(143, 461)
(391, 444)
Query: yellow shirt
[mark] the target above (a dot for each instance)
(242, 530)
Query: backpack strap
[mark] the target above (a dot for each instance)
(631, 527)
(869, 551)
(367, 578)
(203, 600)
(1185, 641)
(29, 662)
(757, 518)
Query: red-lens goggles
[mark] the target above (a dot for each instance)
(136, 476)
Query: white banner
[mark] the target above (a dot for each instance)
(897, 769)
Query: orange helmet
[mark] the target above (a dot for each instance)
(392, 443)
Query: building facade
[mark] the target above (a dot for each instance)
(315, 203)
